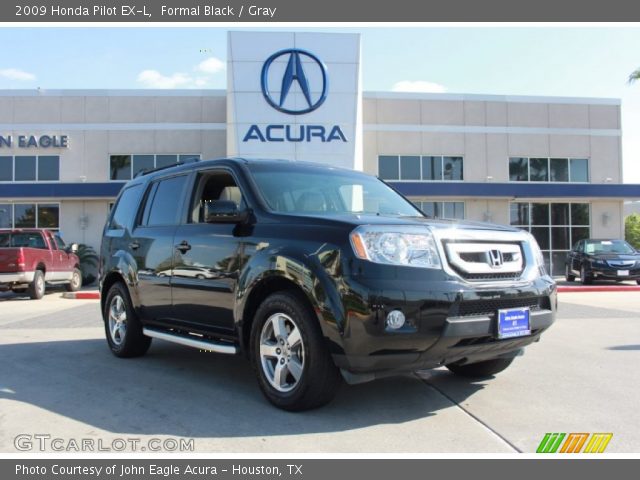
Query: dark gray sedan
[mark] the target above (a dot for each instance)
(597, 259)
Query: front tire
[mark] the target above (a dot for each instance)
(568, 275)
(294, 368)
(485, 369)
(122, 326)
(584, 277)
(76, 281)
(37, 286)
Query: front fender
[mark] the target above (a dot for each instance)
(307, 272)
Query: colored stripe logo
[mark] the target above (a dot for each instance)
(574, 443)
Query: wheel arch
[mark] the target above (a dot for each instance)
(304, 281)
(259, 293)
(112, 278)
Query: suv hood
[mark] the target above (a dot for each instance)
(356, 220)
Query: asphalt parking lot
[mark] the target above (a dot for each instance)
(58, 378)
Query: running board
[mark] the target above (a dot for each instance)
(191, 342)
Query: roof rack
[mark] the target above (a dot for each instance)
(146, 171)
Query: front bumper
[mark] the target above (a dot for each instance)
(16, 278)
(609, 273)
(455, 324)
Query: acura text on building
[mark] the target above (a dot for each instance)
(294, 72)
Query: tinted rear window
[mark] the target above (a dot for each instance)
(166, 201)
(27, 240)
(126, 208)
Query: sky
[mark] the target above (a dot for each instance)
(548, 61)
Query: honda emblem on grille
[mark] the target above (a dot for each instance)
(495, 258)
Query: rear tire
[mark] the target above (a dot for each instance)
(584, 278)
(638, 282)
(567, 274)
(76, 281)
(37, 287)
(121, 324)
(484, 369)
(294, 367)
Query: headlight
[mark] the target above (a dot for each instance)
(597, 263)
(412, 247)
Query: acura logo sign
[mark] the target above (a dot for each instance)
(295, 72)
(297, 61)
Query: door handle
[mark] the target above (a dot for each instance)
(134, 245)
(183, 246)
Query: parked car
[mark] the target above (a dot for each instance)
(31, 258)
(320, 273)
(189, 271)
(602, 259)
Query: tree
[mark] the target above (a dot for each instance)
(88, 261)
(632, 230)
(635, 75)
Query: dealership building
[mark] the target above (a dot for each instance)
(549, 165)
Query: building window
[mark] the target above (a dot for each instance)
(30, 168)
(120, 167)
(125, 167)
(49, 168)
(523, 169)
(6, 215)
(420, 168)
(579, 169)
(451, 210)
(30, 215)
(48, 215)
(25, 168)
(555, 226)
(6, 169)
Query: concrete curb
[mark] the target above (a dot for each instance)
(599, 288)
(82, 295)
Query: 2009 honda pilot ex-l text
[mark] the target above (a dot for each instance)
(315, 274)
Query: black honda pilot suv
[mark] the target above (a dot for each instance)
(315, 274)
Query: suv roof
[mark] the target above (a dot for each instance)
(271, 163)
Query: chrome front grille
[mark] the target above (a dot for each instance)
(479, 261)
(624, 264)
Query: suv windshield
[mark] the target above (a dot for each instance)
(596, 247)
(325, 192)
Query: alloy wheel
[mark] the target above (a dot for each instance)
(282, 352)
(117, 320)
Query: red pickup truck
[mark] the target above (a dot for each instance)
(32, 257)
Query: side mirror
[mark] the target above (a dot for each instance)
(74, 248)
(223, 211)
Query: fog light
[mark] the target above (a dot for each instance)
(395, 319)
